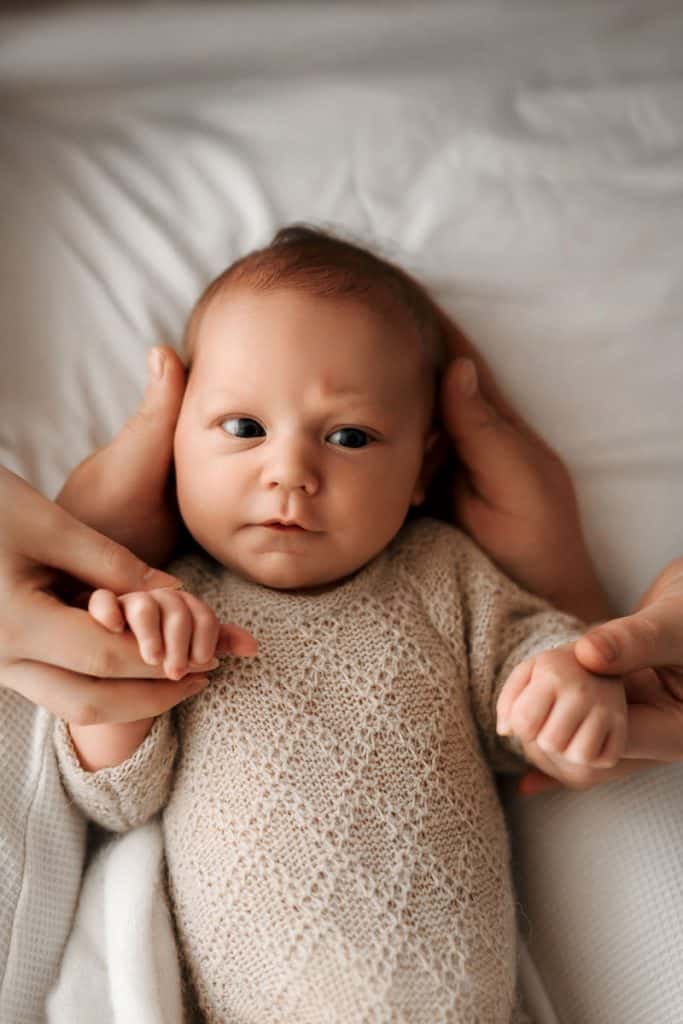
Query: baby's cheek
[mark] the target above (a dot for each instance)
(207, 501)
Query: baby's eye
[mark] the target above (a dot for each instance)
(350, 437)
(243, 426)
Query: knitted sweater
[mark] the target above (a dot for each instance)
(335, 847)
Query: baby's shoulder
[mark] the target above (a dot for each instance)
(427, 548)
(444, 565)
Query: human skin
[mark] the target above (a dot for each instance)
(337, 429)
(646, 650)
(298, 477)
(515, 486)
(50, 652)
(337, 372)
(122, 490)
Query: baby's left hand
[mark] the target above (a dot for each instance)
(575, 717)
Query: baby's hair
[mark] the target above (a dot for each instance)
(320, 264)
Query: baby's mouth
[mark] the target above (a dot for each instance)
(283, 527)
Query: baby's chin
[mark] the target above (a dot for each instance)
(280, 572)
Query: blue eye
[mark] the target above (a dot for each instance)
(350, 437)
(243, 426)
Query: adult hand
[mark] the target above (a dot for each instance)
(126, 489)
(652, 637)
(646, 648)
(513, 493)
(50, 652)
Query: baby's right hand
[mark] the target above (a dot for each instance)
(172, 628)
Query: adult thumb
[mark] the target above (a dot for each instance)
(487, 442)
(649, 638)
(145, 442)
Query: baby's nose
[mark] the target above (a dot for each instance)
(292, 467)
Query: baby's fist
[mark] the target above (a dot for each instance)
(567, 712)
(172, 628)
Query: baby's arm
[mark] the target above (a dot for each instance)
(171, 627)
(572, 716)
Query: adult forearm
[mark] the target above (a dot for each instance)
(581, 594)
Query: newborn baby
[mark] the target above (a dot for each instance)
(335, 847)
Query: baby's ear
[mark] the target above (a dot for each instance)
(434, 455)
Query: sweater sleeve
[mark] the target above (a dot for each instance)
(493, 624)
(506, 625)
(127, 794)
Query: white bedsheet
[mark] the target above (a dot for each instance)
(524, 157)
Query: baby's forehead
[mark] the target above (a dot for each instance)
(244, 324)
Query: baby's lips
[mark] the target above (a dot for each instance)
(234, 639)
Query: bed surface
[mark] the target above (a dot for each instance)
(525, 159)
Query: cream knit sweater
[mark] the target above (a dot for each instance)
(336, 851)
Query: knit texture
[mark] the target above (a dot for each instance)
(42, 849)
(335, 846)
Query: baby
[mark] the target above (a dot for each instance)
(335, 847)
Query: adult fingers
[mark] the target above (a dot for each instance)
(534, 782)
(460, 347)
(491, 445)
(144, 445)
(655, 732)
(69, 638)
(46, 534)
(649, 638)
(86, 701)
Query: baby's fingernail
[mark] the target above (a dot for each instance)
(175, 672)
(467, 378)
(502, 728)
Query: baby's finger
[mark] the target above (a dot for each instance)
(234, 639)
(143, 615)
(530, 711)
(614, 746)
(589, 739)
(205, 628)
(513, 687)
(104, 607)
(561, 725)
(177, 628)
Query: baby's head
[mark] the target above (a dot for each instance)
(308, 419)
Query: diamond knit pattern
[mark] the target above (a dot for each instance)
(336, 851)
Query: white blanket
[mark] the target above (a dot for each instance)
(121, 957)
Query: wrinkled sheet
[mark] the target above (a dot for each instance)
(524, 158)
